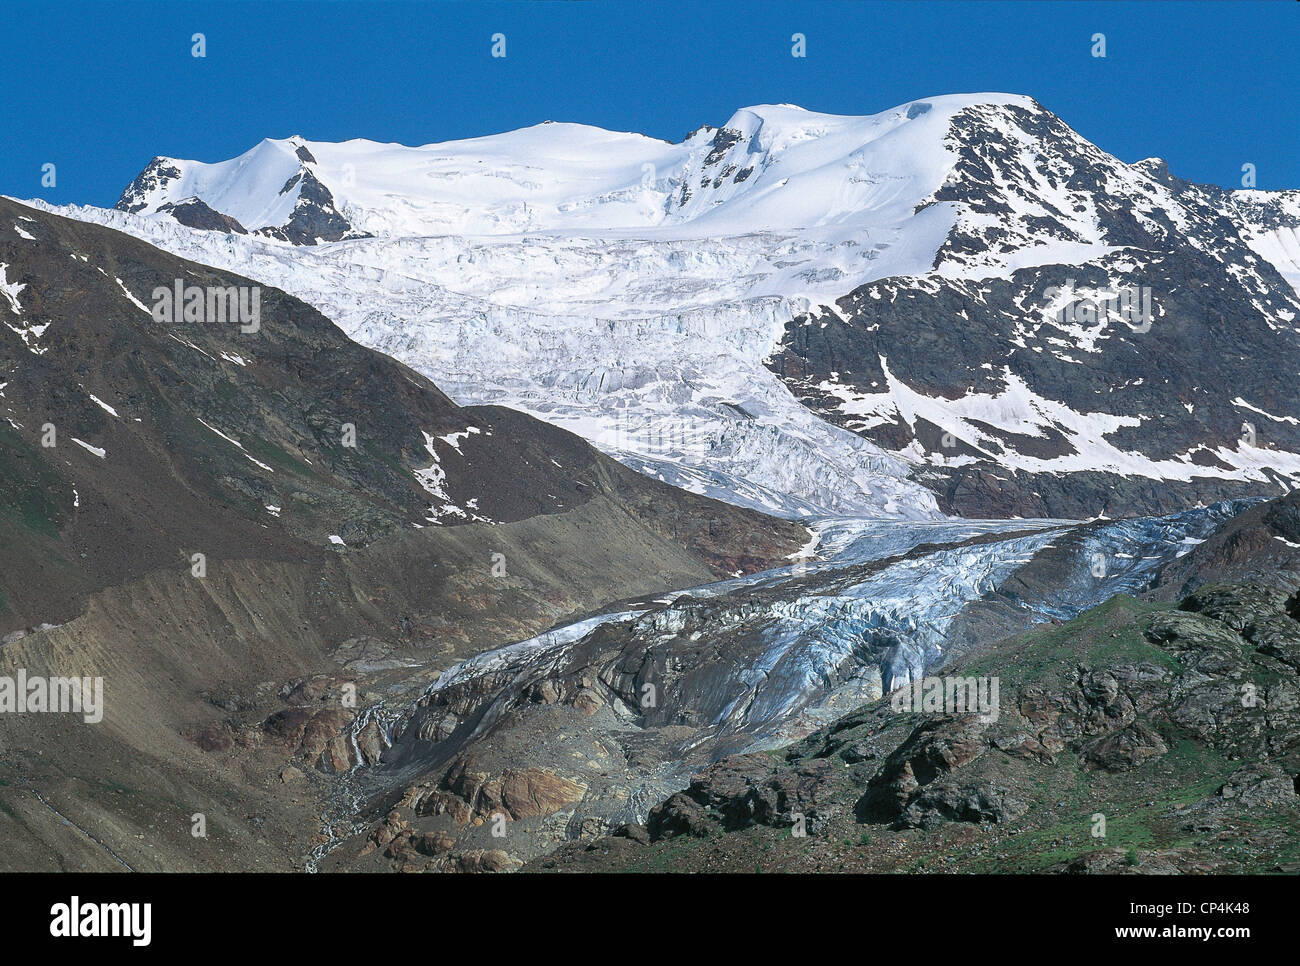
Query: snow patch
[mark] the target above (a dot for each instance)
(237, 443)
(103, 405)
(132, 299)
(86, 446)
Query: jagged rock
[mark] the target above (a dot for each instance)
(1184, 632)
(1125, 749)
(383, 835)
(980, 803)
(370, 742)
(1100, 688)
(1120, 862)
(1277, 636)
(741, 791)
(407, 845)
(437, 802)
(1236, 607)
(547, 692)
(1043, 713)
(534, 792)
(337, 755)
(430, 843)
(194, 213)
(934, 748)
(325, 734)
(1261, 785)
(637, 833)
(1206, 708)
(856, 752)
(679, 815)
(404, 844)
(587, 701)
(1023, 745)
(489, 860)
(1101, 705)
(518, 793)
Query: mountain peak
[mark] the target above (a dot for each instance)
(770, 167)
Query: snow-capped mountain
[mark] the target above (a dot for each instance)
(770, 168)
(1094, 336)
(498, 594)
(802, 312)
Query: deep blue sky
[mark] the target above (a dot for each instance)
(99, 88)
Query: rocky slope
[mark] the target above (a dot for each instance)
(182, 515)
(1092, 338)
(1143, 736)
(166, 438)
(1173, 730)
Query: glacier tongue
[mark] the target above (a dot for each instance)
(794, 648)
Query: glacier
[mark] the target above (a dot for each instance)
(626, 289)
